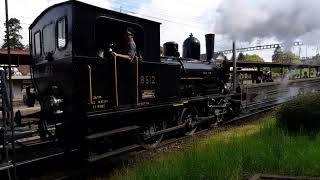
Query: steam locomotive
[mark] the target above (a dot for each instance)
(105, 106)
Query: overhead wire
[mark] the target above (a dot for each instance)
(124, 7)
(159, 18)
(136, 6)
(194, 25)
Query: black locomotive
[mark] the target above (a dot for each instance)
(103, 105)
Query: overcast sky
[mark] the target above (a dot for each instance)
(249, 22)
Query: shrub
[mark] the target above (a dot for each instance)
(301, 114)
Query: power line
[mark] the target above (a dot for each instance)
(195, 25)
(136, 6)
(158, 18)
(124, 4)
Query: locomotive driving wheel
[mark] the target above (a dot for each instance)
(220, 116)
(220, 112)
(188, 116)
(148, 139)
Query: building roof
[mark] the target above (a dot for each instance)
(18, 57)
(15, 52)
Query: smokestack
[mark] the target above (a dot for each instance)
(209, 46)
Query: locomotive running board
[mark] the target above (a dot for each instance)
(112, 132)
(112, 153)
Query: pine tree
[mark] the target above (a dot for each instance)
(277, 54)
(14, 35)
(241, 57)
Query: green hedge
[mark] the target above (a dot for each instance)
(301, 114)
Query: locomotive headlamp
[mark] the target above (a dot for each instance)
(224, 90)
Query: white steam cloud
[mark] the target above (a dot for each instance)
(285, 20)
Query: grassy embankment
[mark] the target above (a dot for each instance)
(260, 147)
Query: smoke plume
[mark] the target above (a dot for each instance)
(285, 20)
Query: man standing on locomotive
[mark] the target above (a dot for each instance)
(130, 47)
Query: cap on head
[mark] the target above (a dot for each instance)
(130, 31)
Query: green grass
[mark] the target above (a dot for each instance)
(235, 154)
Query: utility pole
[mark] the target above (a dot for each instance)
(306, 51)
(10, 92)
(299, 51)
(234, 66)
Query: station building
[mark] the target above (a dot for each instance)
(21, 77)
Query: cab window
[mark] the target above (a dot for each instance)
(37, 43)
(48, 35)
(110, 34)
(61, 33)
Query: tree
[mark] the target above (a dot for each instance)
(14, 34)
(284, 57)
(290, 57)
(241, 57)
(277, 54)
(253, 58)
